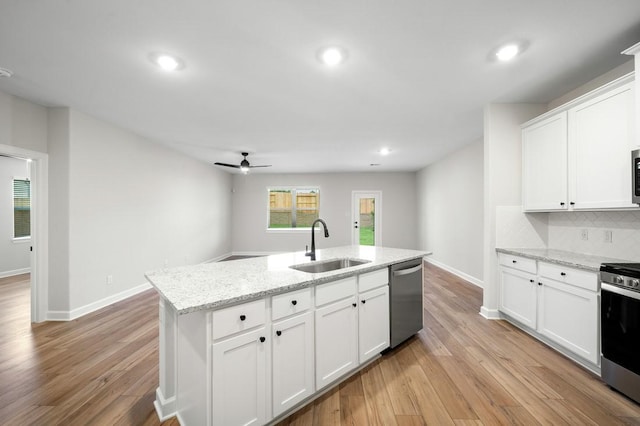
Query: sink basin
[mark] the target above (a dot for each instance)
(328, 265)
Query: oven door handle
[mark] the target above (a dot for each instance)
(621, 291)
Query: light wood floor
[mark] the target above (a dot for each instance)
(461, 369)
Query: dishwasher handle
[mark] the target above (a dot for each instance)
(407, 271)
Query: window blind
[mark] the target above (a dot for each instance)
(21, 208)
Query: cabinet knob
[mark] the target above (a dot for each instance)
(243, 317)
(262, 339)
(563, 274)
(364, 301)
(530, 281)
(278, 333)
(562, 203)
(539, 283)
(572, 203)
(514, 261)
(294, 302)
(354, 305)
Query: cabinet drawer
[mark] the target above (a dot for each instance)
(290, 303)
(237, 318)
(336, 290)
(517, 262)
(371, 280)
(576, 277)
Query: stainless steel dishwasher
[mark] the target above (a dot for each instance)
(405, 300)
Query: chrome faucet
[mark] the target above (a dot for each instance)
(312, 253)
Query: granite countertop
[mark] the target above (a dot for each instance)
(215, 285)
(587, 262)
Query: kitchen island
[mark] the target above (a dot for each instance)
(249, 341)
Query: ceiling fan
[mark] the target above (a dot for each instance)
(244, 165)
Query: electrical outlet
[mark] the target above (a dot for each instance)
(584, 234)
(608, 236)
(109, 279)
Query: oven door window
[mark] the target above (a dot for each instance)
(620, 322)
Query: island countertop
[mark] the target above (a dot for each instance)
(215, 285)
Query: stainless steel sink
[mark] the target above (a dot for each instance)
(328, 265)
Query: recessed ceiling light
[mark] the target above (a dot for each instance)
(384, 151)
(332, 56)
(167, 62)
(507, 52)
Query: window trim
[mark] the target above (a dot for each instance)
(293, 207)
(24, 238)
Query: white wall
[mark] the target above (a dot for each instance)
(132, 206)
(399, 219)
(14, 255)
(502, 182)
(22, 123)
(450, 212)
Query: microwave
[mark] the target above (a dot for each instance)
(635, 173)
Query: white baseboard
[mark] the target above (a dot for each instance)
(15, 272)
(217, 258)
(99, 304)
(464, 276)
(256, 253)
(492, 314)
(165, 408)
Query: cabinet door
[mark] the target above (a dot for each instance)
(544, 164)
(518, 296)
(600, 137)
(569, 316)
(239, 379)
(292, 361)
(373, 322)
(336, 340)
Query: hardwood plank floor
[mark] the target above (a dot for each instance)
(461, 369)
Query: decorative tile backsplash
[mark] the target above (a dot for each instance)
(586, 232)
(579, 232)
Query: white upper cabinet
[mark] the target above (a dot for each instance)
(601, 135)
(544, 165)
(577, 157)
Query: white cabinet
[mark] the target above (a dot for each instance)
(373, 322)
(518, 292)
(569, 316)
(292, 361)
(600, 135)
(239, 373)
(557, 302)
(336, 340)
(544, 164)
(577, 156)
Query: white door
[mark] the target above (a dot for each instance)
(373, 322)
(239, 379)
(336, 340)
(569, 316)
(293, 364)
(518, 296)
(366, 219)
(544, 164)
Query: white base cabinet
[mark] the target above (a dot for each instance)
(556, 302)
(247, 364)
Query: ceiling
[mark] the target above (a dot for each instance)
(417, 77)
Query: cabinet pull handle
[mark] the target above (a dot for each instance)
(562, 203)
(278, 333)
(243, 317)
(262, 339)
(514, 261)
(572, 203)
(563, 274)
(354, 305)
(294, 302)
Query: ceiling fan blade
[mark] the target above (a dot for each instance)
(235, 166)
(253, 167)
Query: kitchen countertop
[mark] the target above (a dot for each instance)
(215, 285)
(587, 262)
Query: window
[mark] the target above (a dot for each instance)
(293, 207)
(21, 208)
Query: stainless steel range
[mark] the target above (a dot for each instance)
(620, 327)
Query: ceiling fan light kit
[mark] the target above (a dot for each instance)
(244, 165)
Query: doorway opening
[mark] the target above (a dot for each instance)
(366, 210)
(38, 243)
